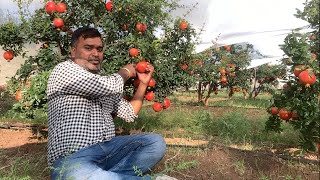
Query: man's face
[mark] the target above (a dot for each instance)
(88, 53)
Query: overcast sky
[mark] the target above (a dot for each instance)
(236, 21)
(247, 21)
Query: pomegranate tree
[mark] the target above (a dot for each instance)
(265, 79)
(128, 30)
(11, 40)
(299, 100)
(220, 67)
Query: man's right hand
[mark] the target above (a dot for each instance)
(128, 71)
(132, 69)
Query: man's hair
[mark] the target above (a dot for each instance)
(85, 32)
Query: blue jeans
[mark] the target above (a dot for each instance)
(121, 158)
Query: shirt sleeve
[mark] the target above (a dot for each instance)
(70, 78)
(118, 105)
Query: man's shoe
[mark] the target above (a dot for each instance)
(165, 177)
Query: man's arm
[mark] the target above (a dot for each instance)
(129, 110)
(138, 97)
(70, 78)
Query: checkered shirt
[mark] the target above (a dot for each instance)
(80, 104)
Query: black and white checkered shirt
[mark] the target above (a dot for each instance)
(80, 106)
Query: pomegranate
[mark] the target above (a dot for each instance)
(183, 25)
(141, 27)
(223, 80)
(232, 74)
(184, 66)
(285, 115)
(50, 7)
(298, 69)
(61, 7)
(8, 55)
(149, 96)
(223, 72)
(141, 66)
(166, 103)
(157, 106)
(58, 22)
(151, 83)
(18, 96)
(307, 78)
(274, 111)
(133, 52)
(228, 48)
(109, 6)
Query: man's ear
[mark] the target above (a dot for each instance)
(73, 52)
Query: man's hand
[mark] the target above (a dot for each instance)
(138, 96)
(146, 77)
(132, 69)
(128, 71)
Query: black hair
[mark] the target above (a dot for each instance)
(85, 32)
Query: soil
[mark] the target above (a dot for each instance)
(15, 138)
(194, 163)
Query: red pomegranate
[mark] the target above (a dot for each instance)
(307, 78)
(285, 115)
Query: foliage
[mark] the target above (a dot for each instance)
(300, 100)
(10, 38)
(265, 79)
(216, 63)
(118, 28)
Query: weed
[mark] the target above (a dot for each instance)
(240, 167)
(186, 165)
(263, 177)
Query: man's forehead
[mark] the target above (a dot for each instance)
(96, 41)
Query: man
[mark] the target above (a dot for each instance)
(82, 142)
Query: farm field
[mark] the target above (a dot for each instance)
(223, 141)
(233, 98)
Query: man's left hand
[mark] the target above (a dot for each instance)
(146, 77)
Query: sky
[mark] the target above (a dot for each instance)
(246, 21)
(263, 23)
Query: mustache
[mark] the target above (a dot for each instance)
(93, 59)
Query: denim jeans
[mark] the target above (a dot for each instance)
(121, 158)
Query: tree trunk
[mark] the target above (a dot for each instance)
(245, 93)
(199, 92)
(206, 102)
(187, 87)
(254, 84)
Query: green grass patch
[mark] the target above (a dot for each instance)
(239, 128)
(237, 102)
(222, 100)
(177, 121)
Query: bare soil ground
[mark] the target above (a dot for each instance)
(20, 148)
